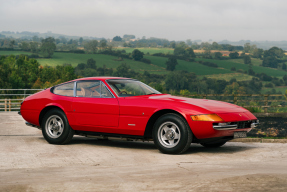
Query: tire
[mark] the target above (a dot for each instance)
(56, 128)
(171, 134)
(213, 145)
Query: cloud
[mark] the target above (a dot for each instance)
(181, 19)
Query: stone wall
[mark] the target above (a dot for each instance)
(271, 125)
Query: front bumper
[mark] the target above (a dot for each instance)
(235, 125)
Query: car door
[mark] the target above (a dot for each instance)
(94, 107)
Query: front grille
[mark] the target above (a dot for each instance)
(243, 124)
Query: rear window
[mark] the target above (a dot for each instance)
(65, 89)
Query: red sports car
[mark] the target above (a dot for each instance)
(123, 107)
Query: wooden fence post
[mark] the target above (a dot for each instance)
(5, 105)
(9, 104)
(265, 103)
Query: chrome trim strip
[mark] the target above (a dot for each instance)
(224, 127)
(75, 88)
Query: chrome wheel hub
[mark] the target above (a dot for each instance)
(169, 134)
(54, 126)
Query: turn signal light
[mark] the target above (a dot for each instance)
(208, 117)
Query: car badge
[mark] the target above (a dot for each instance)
(240, 115)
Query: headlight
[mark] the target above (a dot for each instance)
(207, 117)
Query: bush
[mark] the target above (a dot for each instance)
(270, 85)
(144, 60)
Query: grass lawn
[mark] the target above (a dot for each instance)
(109, 61)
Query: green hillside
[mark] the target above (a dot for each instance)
(188, 66)
(228, 64)
(109, 61)
(14, 53)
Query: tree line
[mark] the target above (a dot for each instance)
(22, 72)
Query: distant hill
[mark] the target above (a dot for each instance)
(29, 35)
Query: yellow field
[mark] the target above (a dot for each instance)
(229, 76)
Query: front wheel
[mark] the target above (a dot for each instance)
(213, 145)
(171, 134)
(55, 127)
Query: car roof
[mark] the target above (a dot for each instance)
(100, 78)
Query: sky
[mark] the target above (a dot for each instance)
(216, 20)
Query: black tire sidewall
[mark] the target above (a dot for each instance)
(66, 131)
(185, 133)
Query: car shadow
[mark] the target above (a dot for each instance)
(226, 149)
(194, 148)
(113, 143)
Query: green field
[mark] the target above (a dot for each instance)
(14, 53)
(197, 68)
(254, 61)
(149, 50)
(227, 64)
(158, 64)
(101, 60)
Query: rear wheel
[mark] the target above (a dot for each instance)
(213, 145)
(171, 134)
(55, 127)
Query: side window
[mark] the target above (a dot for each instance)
(65, 89)
(105, 92)
(88, 89)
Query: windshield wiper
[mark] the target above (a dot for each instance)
(151, 93)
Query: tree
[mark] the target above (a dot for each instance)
(103, 44)
(270, 62)
(91, 46)
(217, 55)
(81, 40)
(176, 81)
(170, 64)
(234, 55)
(247, 59)
(284, 66)
(137, 55)
(24, 46)
(178, 50)
(34, 47)
(122, 70)
(128, 37)
(117, 38)
(48, 47)
(234, 88)
(257, 53)
(247, 48)
(91, 63)
(172, 44)
(189, 52)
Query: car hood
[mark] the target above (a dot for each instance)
(210, 105)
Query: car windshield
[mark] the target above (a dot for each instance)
(128, 88)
